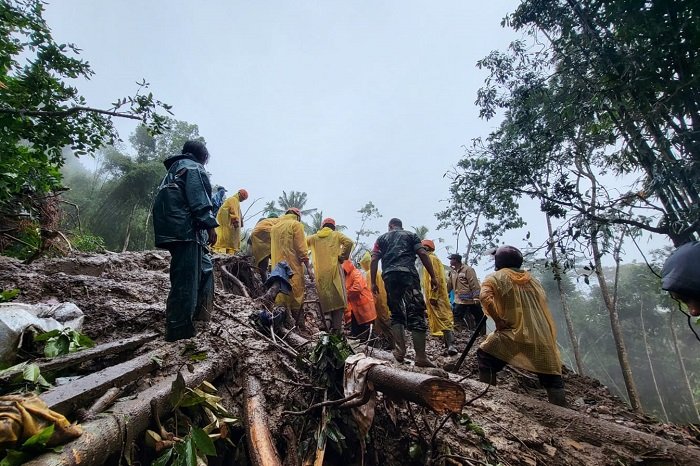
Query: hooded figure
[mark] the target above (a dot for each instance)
(230, 224)
(260, 243)
(382, 323)
(288, 243)
(525, 335)
(183, 224)
(329, 249)
(217, 200)
(440, 319)
(361, 310)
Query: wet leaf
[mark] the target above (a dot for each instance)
(198, 356)
(39, 439)
(45, 336)
(164, 458)
(203, 442)
(31, 373)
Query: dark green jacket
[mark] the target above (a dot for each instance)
(182, 210)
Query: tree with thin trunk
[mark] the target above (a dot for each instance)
(681, 365)
(651, 365)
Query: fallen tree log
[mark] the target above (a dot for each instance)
(437, 393)
(128, 419)
(591, 430)
(261, 447)
(67, 398)
(47, 366)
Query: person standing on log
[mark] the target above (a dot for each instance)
(440, 318)
(230, 224)
(288, 243)
(360, 310)
(184, 225)
(525, 335)
(329, 249)
(463, 282)
(397, 249)
(681, 276)
(260, 243)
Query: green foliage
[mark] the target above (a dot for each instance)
(367, 213)
(33, 446)
(63, 341)
(42, 112)
(8, 295)
(328, 359)
(27, 240)
(85, 242)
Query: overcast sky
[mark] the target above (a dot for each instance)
(350, 101)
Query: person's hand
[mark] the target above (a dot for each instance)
(211, 233)
(433, 284)
(235, 223)
(375, 289)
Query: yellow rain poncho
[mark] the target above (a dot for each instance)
(288, 243)
(380, 301)
(260, 239)
(525, 335)
(438, 302)
(329, 249)
(228, 237)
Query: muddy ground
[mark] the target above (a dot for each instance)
(124, 294)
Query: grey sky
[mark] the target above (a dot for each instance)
(348, 101)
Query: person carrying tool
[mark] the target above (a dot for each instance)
(463, 282)
(183, 224)
(397, 249)
(230, 224)
(525, 335)
(440, 318)
(260, 243)
(360, 310)
(288, 243)
(382, 323)
(681, 276)
(329, 249)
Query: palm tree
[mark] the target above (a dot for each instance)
(317, 223)
(421, 231)
(294, 199)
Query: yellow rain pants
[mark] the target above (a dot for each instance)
(383, 321)
(228, 237)
(329, 249)
(260, 239)
(288, 243)
(525, 335)
(438, 302)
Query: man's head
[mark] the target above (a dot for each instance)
(242, 194)
(395, 224)
(455, 260)
(681, 278)
(328, 222)
(198, 150)
(221, 189)
(429, 245)
(508, 257)
(295, 211)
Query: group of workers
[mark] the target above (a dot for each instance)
(187, 220)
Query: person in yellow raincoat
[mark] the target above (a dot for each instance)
(382, 323)
(440, 319)
(230, 221)
(361, 312)
(288, 243)
(525, 335)
(329, 249)
(260, 243)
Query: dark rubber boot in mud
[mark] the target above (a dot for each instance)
(487, 376)
(449, 338)
(399, 352)
(557, 396)
(419, 345)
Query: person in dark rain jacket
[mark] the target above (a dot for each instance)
(183, 224)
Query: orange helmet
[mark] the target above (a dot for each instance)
(428, 244)
(295, 211)
(328, 220)
(242, 194)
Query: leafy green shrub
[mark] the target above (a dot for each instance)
(85, 242)
(8, 295)
(64, 341)
(24, 242)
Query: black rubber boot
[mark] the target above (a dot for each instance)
(557, 396)
(487, 376)
(419, 345)
(449, 337)
(399, 352)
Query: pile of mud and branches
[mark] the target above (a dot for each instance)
(264, 395)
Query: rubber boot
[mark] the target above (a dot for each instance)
(419, 345)
(556, 396)
(399, 352)
(487, 376)
(449, 337)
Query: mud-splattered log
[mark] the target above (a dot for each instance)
(261, 447)
(81, 392)
(48, 366)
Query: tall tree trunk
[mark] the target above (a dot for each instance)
(681, 364)
(128, 228)
(562, 297)
(651, 365)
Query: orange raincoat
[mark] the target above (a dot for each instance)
(525, 335)
(360, 298)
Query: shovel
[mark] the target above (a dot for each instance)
(455, 367)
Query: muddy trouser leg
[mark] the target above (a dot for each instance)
(395, 302)
(205, 294)
(334, 320)
(554, 384)
(477, 314)
(489, 366)
(263, 265)
(415, 318)
(358, 330)
(185, 272)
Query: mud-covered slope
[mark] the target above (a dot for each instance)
(123, 294)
